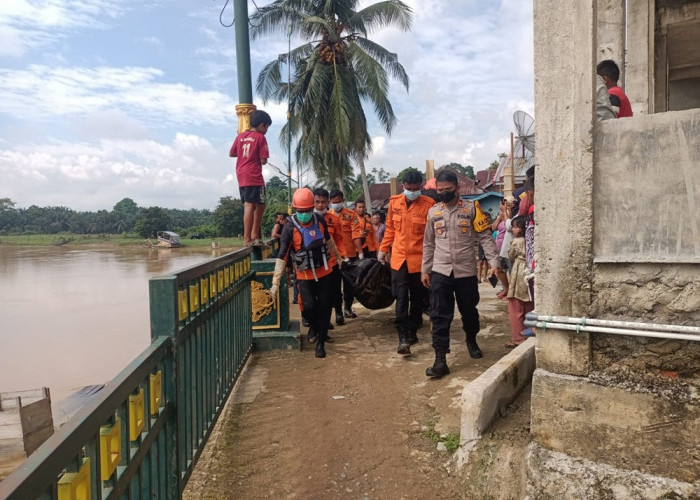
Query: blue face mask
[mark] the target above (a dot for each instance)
(337, 207)
(411, 195)
(304, 217)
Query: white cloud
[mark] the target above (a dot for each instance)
(189, 172)
(32, 24)
(42, 91)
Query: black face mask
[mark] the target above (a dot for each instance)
(446, 196)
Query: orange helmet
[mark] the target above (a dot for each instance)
(303, 198)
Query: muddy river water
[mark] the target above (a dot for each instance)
(71, 317)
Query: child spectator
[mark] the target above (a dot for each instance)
(519, 303)
(610, 72)
(250, 149)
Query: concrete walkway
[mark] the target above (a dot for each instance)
(362, 423)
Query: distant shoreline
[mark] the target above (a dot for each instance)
(106, 241)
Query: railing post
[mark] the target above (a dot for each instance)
(164, 322)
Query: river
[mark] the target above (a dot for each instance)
(75, 316)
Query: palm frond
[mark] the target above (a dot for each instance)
(389, 13)
(389, 60)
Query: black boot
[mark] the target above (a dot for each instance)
(339, 319)
(320, 349)
(439, 368)
(404, 347)
(311, 336)
(473, 347)
(411, 337)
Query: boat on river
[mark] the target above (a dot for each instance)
(168, 239)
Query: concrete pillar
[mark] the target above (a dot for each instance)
(640, 55)
(611, 33)
(429, 169)
(565, 59)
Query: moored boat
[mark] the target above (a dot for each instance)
(168, 239)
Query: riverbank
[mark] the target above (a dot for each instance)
(106, 240)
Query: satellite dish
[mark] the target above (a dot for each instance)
(525, 126)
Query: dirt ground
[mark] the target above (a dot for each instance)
(363, 423)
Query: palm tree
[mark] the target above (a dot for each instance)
(332, 74)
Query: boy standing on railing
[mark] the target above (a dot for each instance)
(250, 149)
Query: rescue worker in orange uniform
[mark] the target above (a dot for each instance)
(306, 240)
(346, 216)
(363, 232)
(321, 201)
(405, 225)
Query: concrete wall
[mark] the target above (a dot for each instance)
(647, 178)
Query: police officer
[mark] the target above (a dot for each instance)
(405, 226)
(306, 240)
(454, 228)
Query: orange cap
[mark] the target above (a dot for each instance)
(303, 198)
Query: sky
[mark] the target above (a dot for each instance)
(102, 100)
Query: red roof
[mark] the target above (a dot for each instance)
(484, 177)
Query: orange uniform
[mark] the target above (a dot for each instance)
(405, 226)
(334, 229)
(360, 224)
(346, 217)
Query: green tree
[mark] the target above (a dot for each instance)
(334, 71)
(148, 221)
(228, 217)
(467, 170)
(277, 200)
(9, 217)
(494, 164)
(124, 213)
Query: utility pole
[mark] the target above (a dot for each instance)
(245, 105)
(289, 120)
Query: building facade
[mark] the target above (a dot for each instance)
(617, 416)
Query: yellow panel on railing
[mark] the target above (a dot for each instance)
(204, 287)
(220, 276)
(247, 265)
(212, 285)
(182, 308)
(155, 391)
(230, 274)
(75, 485)
(237, 267)
(136, 415)
(110, 448)
(227, 280)
(194, 297)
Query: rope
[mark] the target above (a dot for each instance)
(233, 20)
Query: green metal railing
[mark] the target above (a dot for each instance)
(142, 434)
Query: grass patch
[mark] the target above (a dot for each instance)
(72, 240)
(451, 441)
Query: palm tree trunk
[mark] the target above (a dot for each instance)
(365, 185)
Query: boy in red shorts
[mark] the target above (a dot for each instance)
(250, 148)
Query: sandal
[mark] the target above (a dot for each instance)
(512, 344)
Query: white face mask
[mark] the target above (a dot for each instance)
(321, 212)
(411, 195)
(337, 206)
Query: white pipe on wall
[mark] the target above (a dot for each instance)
(542, 326)
(630, 325)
